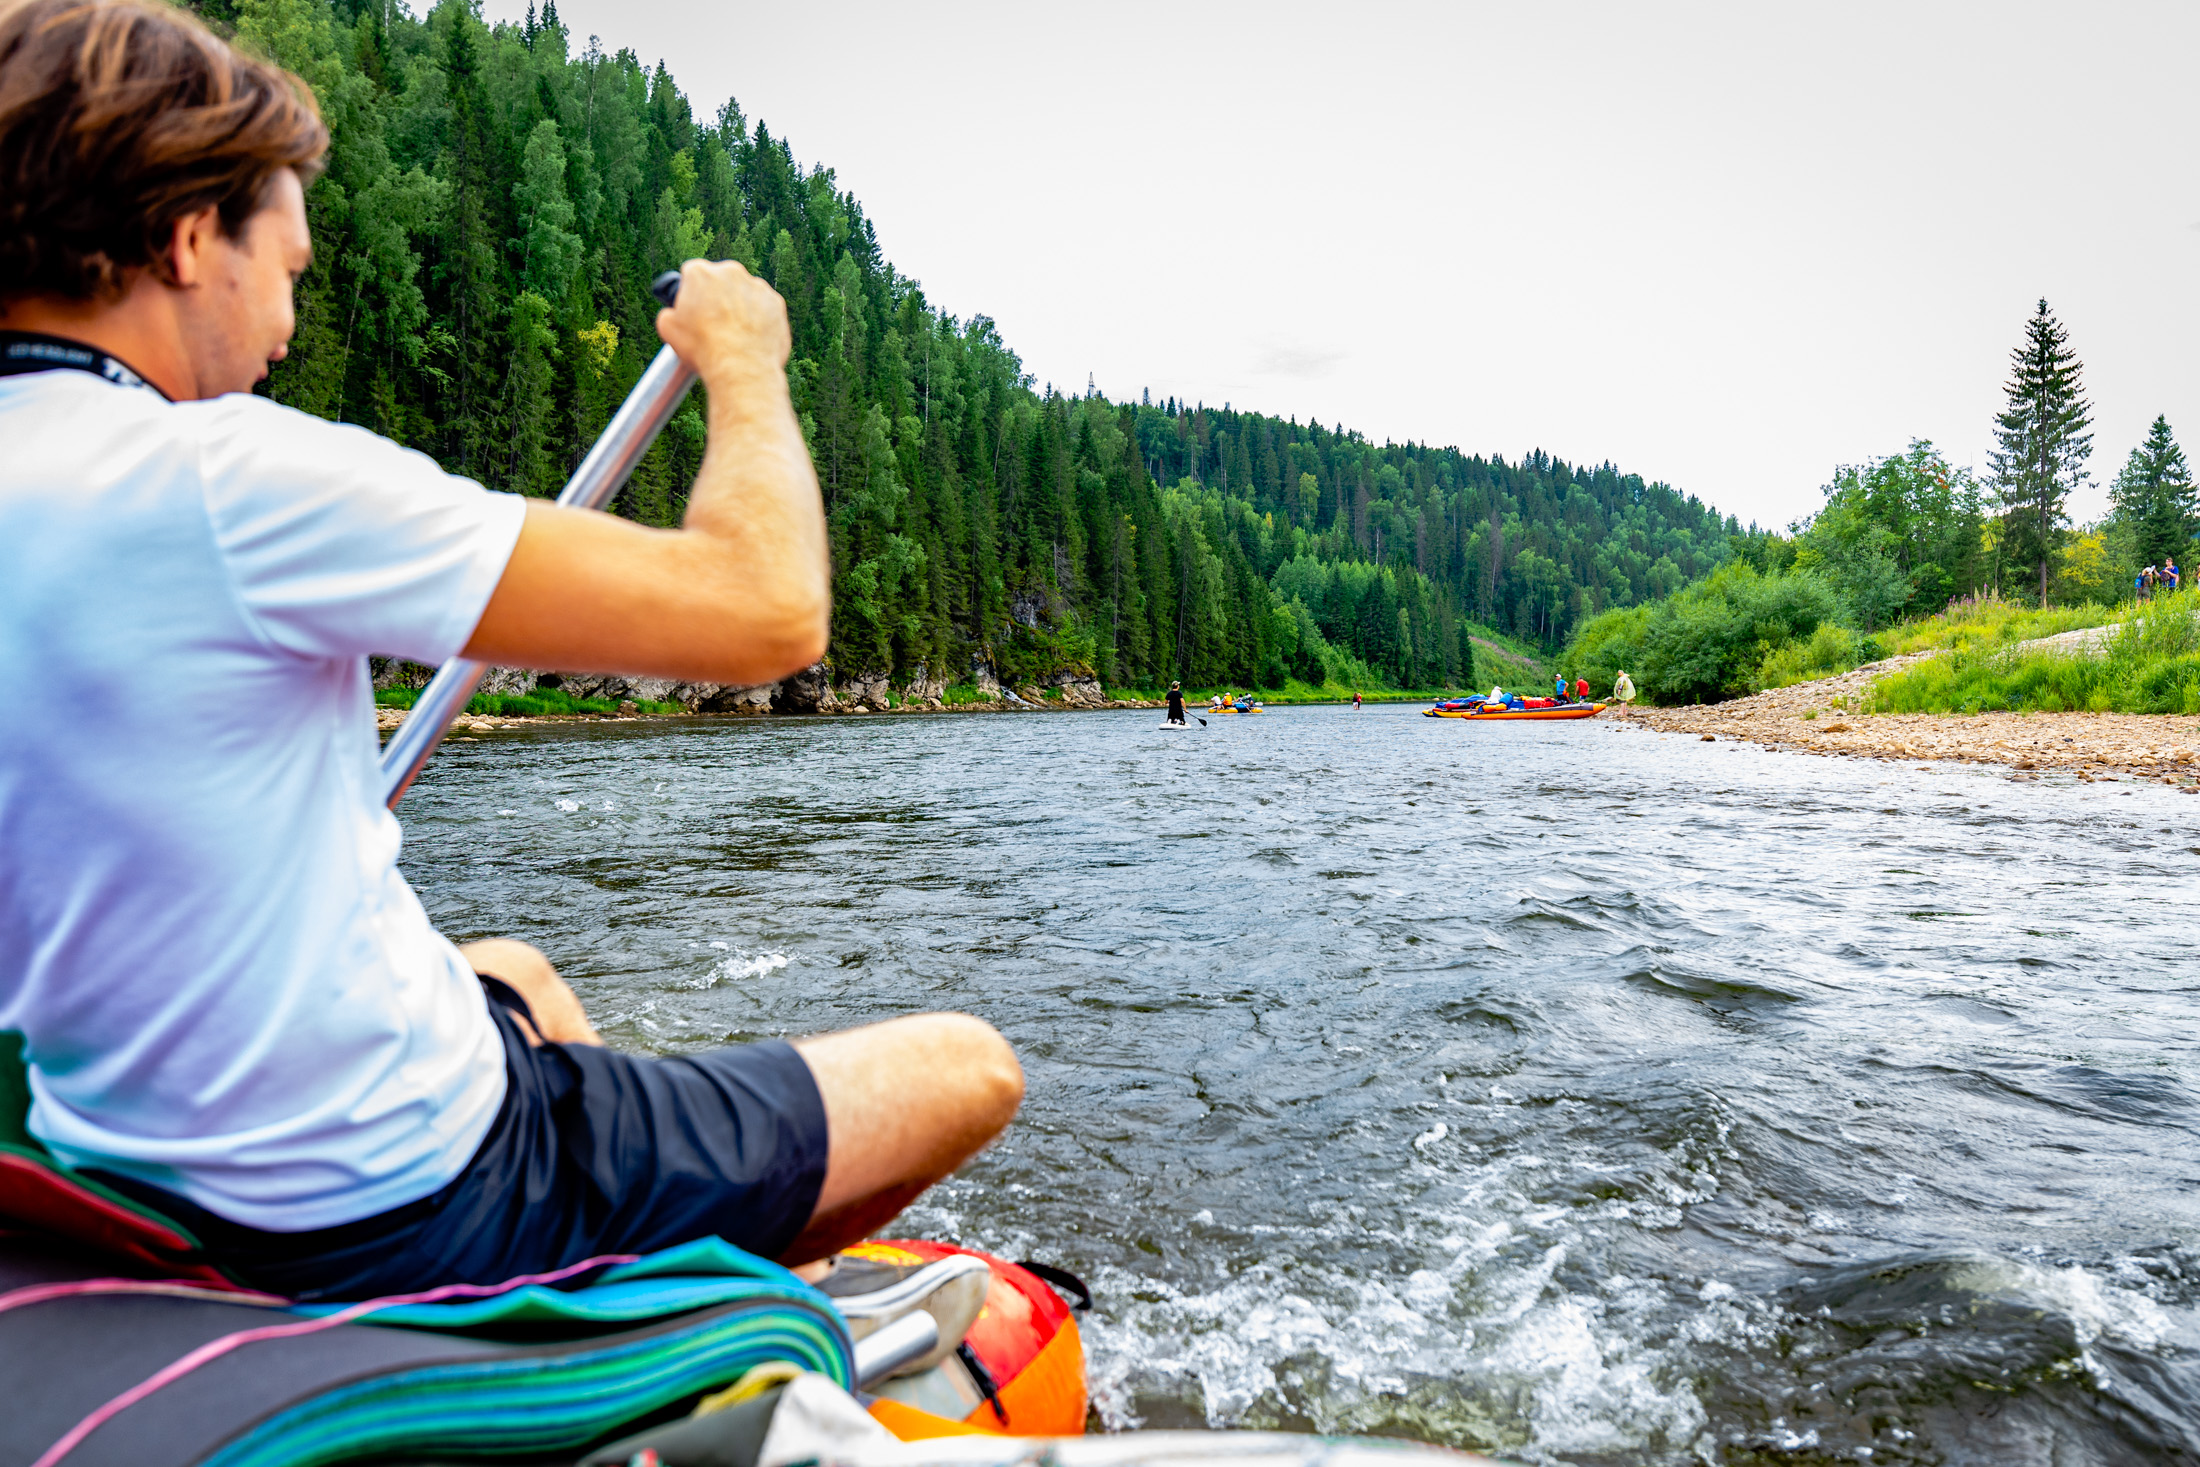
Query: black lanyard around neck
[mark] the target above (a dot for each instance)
(30, 351)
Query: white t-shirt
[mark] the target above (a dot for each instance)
(224, 985)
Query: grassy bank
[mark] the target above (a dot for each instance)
(1740, 632)
(1971, 625)
(1505, 660)
(541, 703)
(1982, 624)
(2148, 664)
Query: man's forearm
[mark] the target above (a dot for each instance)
(755, 502)
(742, 593)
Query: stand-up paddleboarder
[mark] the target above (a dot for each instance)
(1176, 704)
(233, 1006)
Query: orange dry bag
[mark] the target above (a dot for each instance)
(1023, 1356)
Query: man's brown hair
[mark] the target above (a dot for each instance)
(120, 117)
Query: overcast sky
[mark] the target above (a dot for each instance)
(1725, 245)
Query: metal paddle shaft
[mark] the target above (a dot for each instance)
(632, 430)
(893, 1345)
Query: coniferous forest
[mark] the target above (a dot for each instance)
(497, 200)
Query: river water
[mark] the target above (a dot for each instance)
(1564, 1090)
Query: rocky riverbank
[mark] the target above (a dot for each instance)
(1822, 718)
(810, 691)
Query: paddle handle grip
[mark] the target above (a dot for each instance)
(633, 428)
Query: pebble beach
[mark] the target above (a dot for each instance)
(1820, 718)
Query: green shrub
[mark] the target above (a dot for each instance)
(1827, 652)
(1705, 642)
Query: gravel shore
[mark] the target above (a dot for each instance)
(1818, 718)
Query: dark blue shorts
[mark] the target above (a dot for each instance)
(593, 1152)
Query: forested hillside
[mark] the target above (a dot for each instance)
(497, 200)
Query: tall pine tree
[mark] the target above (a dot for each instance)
(2154, 496)
(2042, 443)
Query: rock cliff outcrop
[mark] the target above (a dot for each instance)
(810, 691)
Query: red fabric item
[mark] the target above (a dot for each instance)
(40, 1198)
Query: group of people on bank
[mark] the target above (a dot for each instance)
(2156, 578)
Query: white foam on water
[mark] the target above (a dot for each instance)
(1483, 1336)
(569, 806)
(743, 965)
(2096, 1308)
(1555, 1371)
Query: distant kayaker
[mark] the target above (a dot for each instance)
(233, 1006)
(1623, 689)
(1176, 704)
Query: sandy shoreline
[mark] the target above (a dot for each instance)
(1814, 718)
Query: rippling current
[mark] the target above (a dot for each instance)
(1564, 1090)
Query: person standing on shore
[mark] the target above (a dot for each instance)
(1623, 688)
(1355, 700)
(233, 1007)
(2169, 574)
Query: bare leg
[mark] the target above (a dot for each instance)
(556, 1008)
(906, 1102)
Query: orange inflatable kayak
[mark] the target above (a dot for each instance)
(1499, 711)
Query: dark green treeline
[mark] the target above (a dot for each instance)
(496, 204)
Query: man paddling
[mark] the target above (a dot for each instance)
(1176, 704)
(233, 1006)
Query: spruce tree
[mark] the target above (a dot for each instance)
(2154, 495)
(2043, 443)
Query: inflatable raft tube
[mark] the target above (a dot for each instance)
(795, 1419)
(1160, 1449)
(105, 1372)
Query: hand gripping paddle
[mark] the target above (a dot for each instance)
(632, 430)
